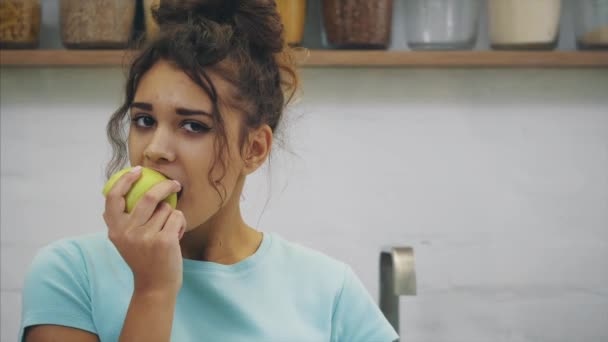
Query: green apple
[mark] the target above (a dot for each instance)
(145, 182)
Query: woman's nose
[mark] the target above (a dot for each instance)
(156, 155)
(159, 149)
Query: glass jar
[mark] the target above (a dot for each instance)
(591, 24)
(441, 24)
(105, 24)
(293, 16)
(150, 24)
(524, 24)
(357, 24)
(19, 24)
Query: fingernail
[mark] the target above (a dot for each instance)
(178, 184)
(181, 233)
(135, 169)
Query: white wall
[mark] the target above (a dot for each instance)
(498, 178)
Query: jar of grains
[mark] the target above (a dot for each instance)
(591, 24)
(293, 15)
(356, 24)
(19, 24)
(97, 23)
(151, 26)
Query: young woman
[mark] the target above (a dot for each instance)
(203, 101)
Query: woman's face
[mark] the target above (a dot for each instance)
(172, 131)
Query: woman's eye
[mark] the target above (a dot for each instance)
(196, 127)
(143, 121)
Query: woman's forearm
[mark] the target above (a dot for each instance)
(150, 317)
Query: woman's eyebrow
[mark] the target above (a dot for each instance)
(187, 112)
(179, 111)
(141, 105)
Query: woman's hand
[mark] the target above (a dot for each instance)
(148, 237)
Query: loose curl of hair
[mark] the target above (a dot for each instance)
(240, 41)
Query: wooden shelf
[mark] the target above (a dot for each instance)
(341, 58)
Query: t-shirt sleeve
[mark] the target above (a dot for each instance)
(357, 317)
(56, 289)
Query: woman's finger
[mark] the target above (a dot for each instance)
(175, 225)
(147, 204)
(158, 220)
(115, 199)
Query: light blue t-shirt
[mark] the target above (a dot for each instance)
(284, 292)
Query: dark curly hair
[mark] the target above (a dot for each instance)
(239, 40)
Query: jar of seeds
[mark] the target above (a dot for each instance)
(357, 24)
(97, 23)
(151, 26)
(19, 24)
(293, 17)
(591, 24)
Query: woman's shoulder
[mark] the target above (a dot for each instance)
(73, 251)
(301, 257)
(79, 240)
(78, 243)
(57, 287)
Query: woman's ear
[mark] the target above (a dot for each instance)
(258, 149)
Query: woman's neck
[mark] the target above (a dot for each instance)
(225, 238)
(227, 244)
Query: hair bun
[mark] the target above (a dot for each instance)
(259, 21)
(256, 21)
(185, 11)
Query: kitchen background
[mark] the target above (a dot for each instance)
(497, 177)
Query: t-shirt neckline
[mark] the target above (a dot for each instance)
(244, 265)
